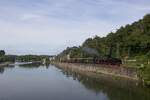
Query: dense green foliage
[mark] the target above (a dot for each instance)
(28, 58)
(6, 58)
(129, 41)
(22, 58)
(2, 53)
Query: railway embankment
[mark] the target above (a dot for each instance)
(118, 71)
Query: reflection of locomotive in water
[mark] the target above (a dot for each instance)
(105, 61)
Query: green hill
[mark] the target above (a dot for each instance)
(131, 41)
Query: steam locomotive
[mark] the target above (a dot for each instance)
(104, 61)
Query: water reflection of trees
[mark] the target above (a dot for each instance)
(2, 69)
(34, 65)
(114, 88)
(30, 66)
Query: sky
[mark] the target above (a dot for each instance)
(49, 26)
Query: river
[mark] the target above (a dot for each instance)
(39, 82)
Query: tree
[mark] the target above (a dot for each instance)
(2, 52)
(131, 40)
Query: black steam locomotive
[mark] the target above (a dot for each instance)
(104, 61)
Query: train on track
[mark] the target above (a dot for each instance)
(104, 61)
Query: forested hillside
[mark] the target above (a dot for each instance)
(131, 41)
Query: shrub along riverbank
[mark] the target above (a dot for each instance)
(6, 59)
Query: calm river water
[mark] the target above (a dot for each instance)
(38, 82)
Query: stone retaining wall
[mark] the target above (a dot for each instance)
(103, 69)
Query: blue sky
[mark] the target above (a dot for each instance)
(49, 26)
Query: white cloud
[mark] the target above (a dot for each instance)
(29, 17)
(56, 24)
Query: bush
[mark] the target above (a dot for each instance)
(148, 55)
(7, 59)
(2, 53)
(145, 75)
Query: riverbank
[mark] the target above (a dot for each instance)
(5, 64)
(129, 73)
